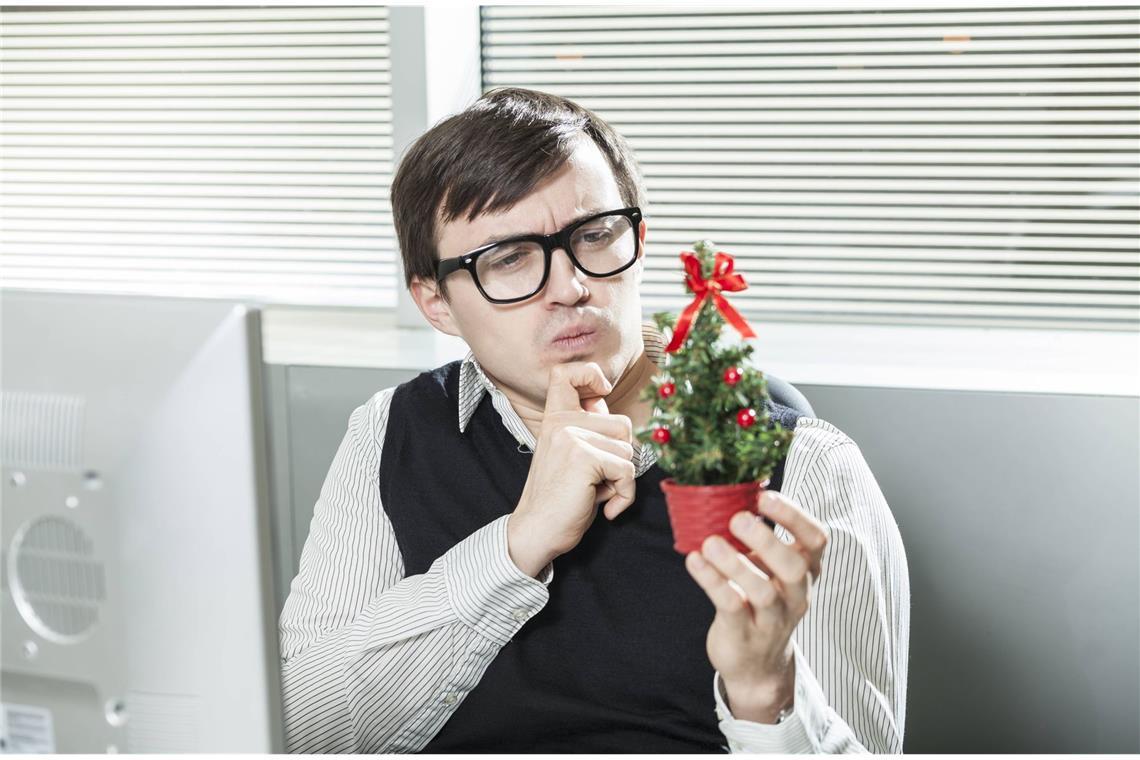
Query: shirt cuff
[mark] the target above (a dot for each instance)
(487, 589)
(801, 732)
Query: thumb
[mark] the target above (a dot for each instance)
(573, 381)
(596, 404)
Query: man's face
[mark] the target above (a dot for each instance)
(515, 343)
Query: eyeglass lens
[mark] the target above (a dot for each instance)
(516, 270)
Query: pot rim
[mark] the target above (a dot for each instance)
(670, 483)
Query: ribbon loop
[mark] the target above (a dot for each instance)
(722, 279)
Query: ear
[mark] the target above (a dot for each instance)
(433, 306)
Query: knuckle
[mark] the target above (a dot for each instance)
(756, 534)
(555, 421)
(579, 447)
(766, 596)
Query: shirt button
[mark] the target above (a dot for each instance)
(449, 698)
(520, 613)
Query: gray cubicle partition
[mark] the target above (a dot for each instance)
(1021, 518)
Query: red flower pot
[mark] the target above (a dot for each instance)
(697, 512)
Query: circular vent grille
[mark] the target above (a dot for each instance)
(57, 582)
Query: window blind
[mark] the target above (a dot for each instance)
(218, 152)
(947, 165)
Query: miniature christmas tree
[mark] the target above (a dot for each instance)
(710, 424)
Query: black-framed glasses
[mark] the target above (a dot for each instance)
(515, 269)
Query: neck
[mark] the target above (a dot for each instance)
(623, 399)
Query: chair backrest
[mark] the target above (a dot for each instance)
(783, 392)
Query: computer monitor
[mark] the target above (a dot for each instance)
(138, 606)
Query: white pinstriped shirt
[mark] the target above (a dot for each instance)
(373, 661)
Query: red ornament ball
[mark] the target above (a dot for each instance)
(733, 375)
(667, 390)
(661, 435)
(746, 418)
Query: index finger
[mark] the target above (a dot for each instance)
(808, 532)
(573, 381)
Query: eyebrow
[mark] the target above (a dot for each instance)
(501, 238)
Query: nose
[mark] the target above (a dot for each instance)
(565, 283)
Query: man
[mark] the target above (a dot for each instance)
(456, 592)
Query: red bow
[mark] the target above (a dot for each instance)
(723, 278)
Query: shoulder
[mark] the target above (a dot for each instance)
(369, 422)
(826, 469)
(814, 436)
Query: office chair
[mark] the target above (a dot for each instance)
(786, 394)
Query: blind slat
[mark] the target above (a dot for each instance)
(96, 252)
(665, 248)
(235, 106)
(144, 206)
(205, 193)
(81, 240)
(805, 268)
(358, 61)
(233, 26)
(602, 69)
(236, 178)
(371, 133)
(194, 41)
(169, 16)
(142, 264)
(378, 78)
(630, 82)
(32, 156)
(920, 295)
(950, 34)
(673, 16)
(213, 92)
(137, 119)
(729, 239)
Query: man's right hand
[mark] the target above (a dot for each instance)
(583, 456)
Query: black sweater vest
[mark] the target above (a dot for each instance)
(616, 660)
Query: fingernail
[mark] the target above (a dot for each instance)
(697, 560)
(742, 522)
(769, 499)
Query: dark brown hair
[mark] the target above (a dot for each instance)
(487, 158)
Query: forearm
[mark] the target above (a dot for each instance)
(856, 631)
(390, 698)
(377, 684)
(327, 703)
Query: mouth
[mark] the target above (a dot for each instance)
(575, 341)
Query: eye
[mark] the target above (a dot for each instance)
(509, 260)
(594, 235)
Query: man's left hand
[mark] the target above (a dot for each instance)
(759, 600)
